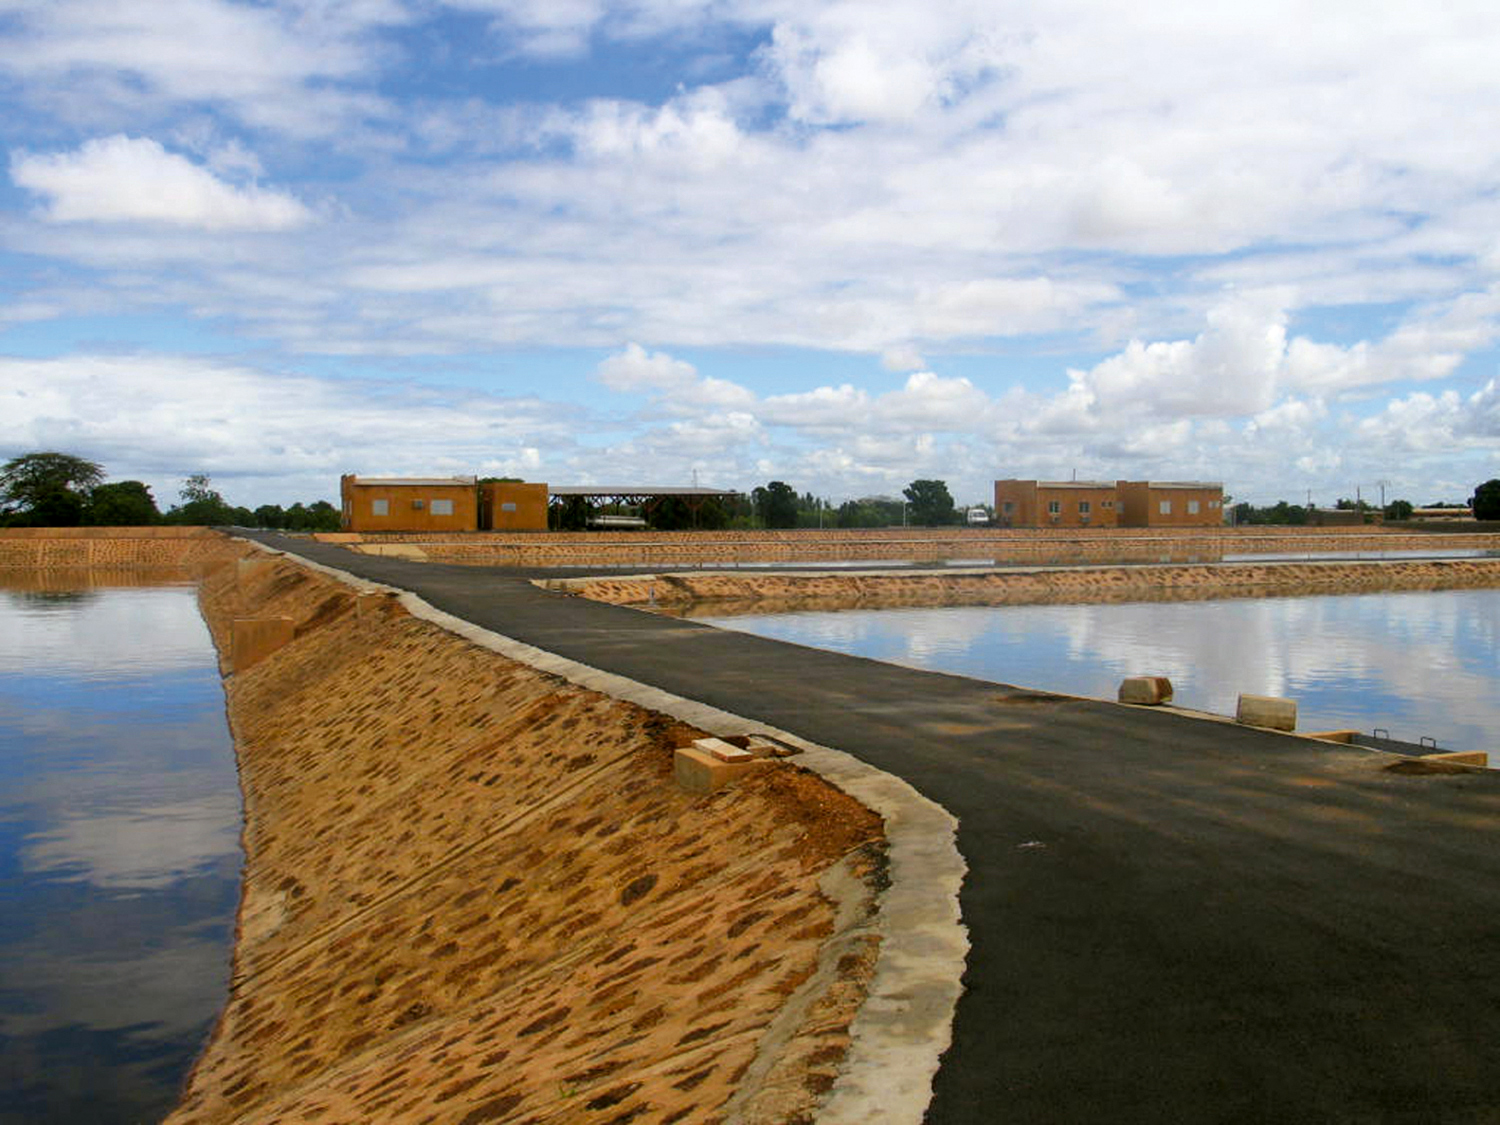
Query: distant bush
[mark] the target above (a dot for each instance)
(1486, 501)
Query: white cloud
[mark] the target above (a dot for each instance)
(123, 179)
(1226, 231)
(902, 357)
(676, 382)
(266, 64)
(266, 438)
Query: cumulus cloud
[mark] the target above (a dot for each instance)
(1437, 424)
(1226, 232)
(267, 437)
(674, 382)
(124, 179)
(902, 357)
(266, 64)
(1243, 363)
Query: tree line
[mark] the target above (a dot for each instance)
(61, 490)
(927, 503)
(1485, 504)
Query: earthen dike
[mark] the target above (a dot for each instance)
(1171, 919)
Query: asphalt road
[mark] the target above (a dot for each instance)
(1173, 920)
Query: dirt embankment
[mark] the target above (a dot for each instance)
(1002, 545)
(473, 893)
(713, 592)
(106, 548)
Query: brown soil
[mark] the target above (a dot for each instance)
(725, 592)
(473, 892)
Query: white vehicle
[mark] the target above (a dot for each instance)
(977, 516)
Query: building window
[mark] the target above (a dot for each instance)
(380, 507)
(1106, 504)
(1192, 507)
(442, 507)
(1008, 507)
(1054, 507)
(1165, 508)
(508, 506)
(1084, 508)
(419, 504)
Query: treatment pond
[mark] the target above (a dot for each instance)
(1418, 664)
(119, 853)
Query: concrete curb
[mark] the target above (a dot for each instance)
(905, 1024)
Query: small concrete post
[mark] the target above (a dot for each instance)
(1267, 711)
(1149, 691)
(710, 764)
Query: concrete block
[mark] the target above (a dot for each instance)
(1345, 736)
(252, 639)
(1460, 757)
(1267, 711)
(723, 751)
(1146, 690)
(765, 748)
(698, 771)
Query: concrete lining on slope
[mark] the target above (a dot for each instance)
(905, 1023)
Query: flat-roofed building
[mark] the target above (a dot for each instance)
(1055, 503)
(512, 506)
(1170, 503)
(409, 503)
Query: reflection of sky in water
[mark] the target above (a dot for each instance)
(119, 855)
(1420, 663)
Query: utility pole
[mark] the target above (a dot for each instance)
(1382, 484)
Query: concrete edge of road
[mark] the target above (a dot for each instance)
(905, 1024)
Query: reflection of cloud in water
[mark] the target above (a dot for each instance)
(1417, 663)
(143, 848)
(128, 633)
(160, 994)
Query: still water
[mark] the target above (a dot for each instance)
(1416, 664)
(119, 851)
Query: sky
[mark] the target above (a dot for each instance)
(845, 244)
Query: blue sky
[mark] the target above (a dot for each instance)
(842, 244)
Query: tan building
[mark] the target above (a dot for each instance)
(1055, 503)
(1096, 503)
(1170, 503)
(512, 506)
(409, 503)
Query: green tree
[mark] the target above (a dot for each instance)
(269, 515)
(46, 487)
(54, 506)
(777, 504)
(930, 503)
(1486, 501)
(1398, 510)
(126, 503)
(323, 516)
(571, 515)
(202, 505)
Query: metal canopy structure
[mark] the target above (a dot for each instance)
(644, 497)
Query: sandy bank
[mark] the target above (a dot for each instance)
(472, 893)
(729, 591)
(1003, 546)
(106, 548)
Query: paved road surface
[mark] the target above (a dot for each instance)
(1173, 920)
